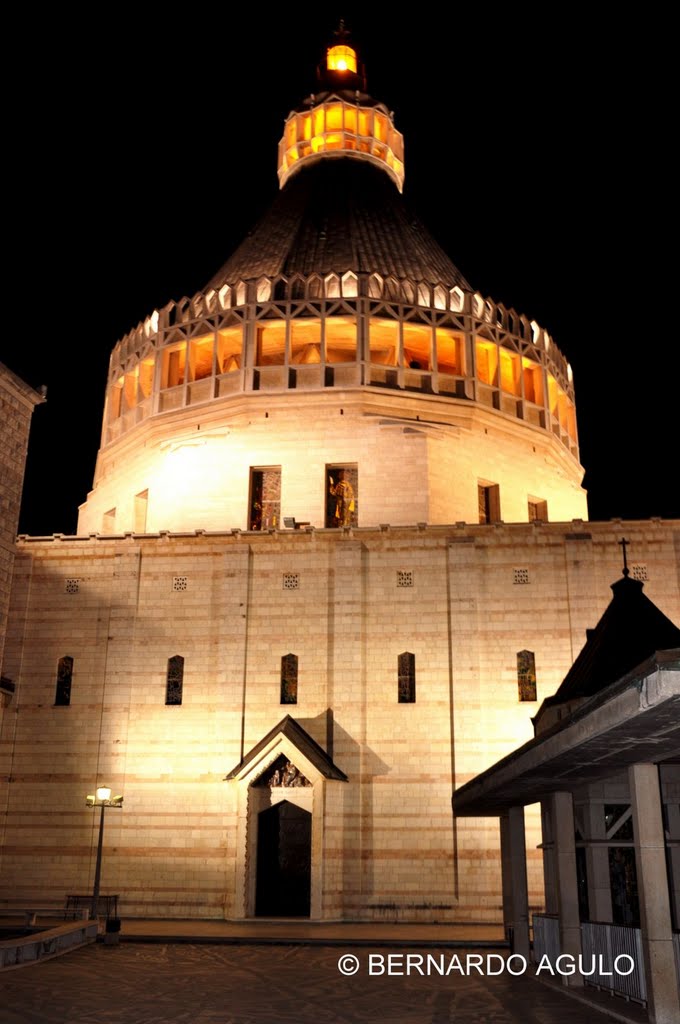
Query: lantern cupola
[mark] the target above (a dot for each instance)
(341, 120)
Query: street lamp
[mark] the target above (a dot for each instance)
(103, 799)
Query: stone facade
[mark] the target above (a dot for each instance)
(17, 401)
(464, 599)
(419, 458)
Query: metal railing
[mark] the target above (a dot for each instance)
(546, 937)
(601, 945)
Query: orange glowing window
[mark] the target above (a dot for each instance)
(304, 127)
(449, 353)
(341, 340)
(229, 344)
(146, 376)
(341, 58)
(174, 361)
(130, 388)
(487, 361)
(380, 123)
(365, 122)
(271, 343)
(510, 372)
(334, 117)
(384, 341)
(305, 341)
(318, 121)
(533, 381)
(115, 396)
(552, 394)
(417, 347)
(290, 132)
(563, 406)
(571, 421)
(350, 119)
(201, 358)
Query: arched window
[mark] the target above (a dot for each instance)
(406, 667)
(289, 679)
(526, 675)
(174, 680)
(62, 697)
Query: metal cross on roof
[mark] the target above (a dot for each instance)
(624, 544)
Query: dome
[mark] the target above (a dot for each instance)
(339, 343)
(337, 216)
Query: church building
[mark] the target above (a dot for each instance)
(335, 555)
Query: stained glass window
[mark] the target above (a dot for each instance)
(406, 667)
(174, 680)
(64, 677)
(265, 499)
(289, 679)
(526, 675)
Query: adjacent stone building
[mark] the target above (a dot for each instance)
(17, 402)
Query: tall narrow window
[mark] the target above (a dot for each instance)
(538, 511)
(174, 680)
(109, 521)
(62, 697)
(406, 667)
(526, 675)
(265, 499)
(289, 679)
(342, 496)
(489, 503)
(141, 505)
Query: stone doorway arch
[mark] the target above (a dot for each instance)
(284, 861)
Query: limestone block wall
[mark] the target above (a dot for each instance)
(420, 459)
(452, 596)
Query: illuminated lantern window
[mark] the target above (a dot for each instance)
(533, 381)
(417, 347)
(342, 127)
(510, 372)
(305, 341)
(487, 361)
(384, 342)
(449, 352)
(341, 58)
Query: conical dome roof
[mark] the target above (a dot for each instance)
(340, 215)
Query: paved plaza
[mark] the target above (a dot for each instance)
(203, 984)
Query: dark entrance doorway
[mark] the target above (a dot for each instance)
(284, 861)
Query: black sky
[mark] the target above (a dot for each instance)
(537, 152)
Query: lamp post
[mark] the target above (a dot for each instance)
(102, 799)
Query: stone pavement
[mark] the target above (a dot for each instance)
(170, 983)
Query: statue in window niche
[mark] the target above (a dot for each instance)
(343, 492)
(286, 775)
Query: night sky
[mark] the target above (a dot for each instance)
(537, 152)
